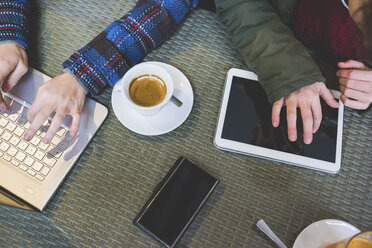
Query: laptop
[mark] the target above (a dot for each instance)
(244, 126)
(31, 172)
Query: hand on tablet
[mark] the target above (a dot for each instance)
(13, 65)
(355, 84)
(63, 95)
(307, 99)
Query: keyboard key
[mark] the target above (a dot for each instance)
(6, 136)
(22, 167)
(40, 178)
(44, 130)
(68, 137)
(4, 147)
(37, 166)
(62, 145)
(45, 170)
(22, 121)
(23, 145)
(31, 150)
(54, 152)
(39, 155)
(3, 122)
(42, 134)
(18, 131)
(49, 161)
(12, 151)
(55, 140)
(27, 125)
(15, 163)
(31, 172)
(29, 161)
(7, 158)
(43, 146)
(20, 156)
(14, 141)
(13, 117)
(61, 132)
(11, 126)
(35, 141)
(5, 113)
(1, 131)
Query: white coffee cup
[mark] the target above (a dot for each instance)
(150, 70)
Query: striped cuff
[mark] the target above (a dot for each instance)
(14, 22)
(125, 42)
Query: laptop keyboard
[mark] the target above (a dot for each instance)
(34, 158)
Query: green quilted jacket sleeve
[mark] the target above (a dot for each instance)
(268, 46)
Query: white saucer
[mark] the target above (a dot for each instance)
(324, 232)
(168, 118)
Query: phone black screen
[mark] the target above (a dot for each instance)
(248, 120)
(176, 201)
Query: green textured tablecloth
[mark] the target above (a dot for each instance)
(116, 174)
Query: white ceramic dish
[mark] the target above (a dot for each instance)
(168, 118)
(324, 232)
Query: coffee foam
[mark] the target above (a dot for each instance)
(147, 90)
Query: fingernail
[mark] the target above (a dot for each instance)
(46, 140)
(27, 137)
(307, 141)
(275, 124)
(291, 137)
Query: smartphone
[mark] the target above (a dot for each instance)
(175, 202)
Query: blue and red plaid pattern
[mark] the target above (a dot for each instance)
(13, 21)
(120, 46)
(125, 42)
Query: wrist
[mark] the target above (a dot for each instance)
(77, 81)
(13, 43)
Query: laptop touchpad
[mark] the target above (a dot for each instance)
(27, 87)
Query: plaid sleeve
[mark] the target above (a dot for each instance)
(14, 21)
(125, 42)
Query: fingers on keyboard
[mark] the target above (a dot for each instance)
(33, 157)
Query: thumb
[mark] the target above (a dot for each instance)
(352, 64)
(14, 77)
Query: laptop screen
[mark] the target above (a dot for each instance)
(248, 120)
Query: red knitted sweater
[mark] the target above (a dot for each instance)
(326, 26)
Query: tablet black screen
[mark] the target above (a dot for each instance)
(248, 120)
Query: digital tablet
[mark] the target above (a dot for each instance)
(244, 126)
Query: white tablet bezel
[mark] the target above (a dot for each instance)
(267, 153)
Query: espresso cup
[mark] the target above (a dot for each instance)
(147, 88)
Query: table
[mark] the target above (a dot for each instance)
(115, 175)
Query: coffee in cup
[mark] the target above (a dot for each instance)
(147, 90)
